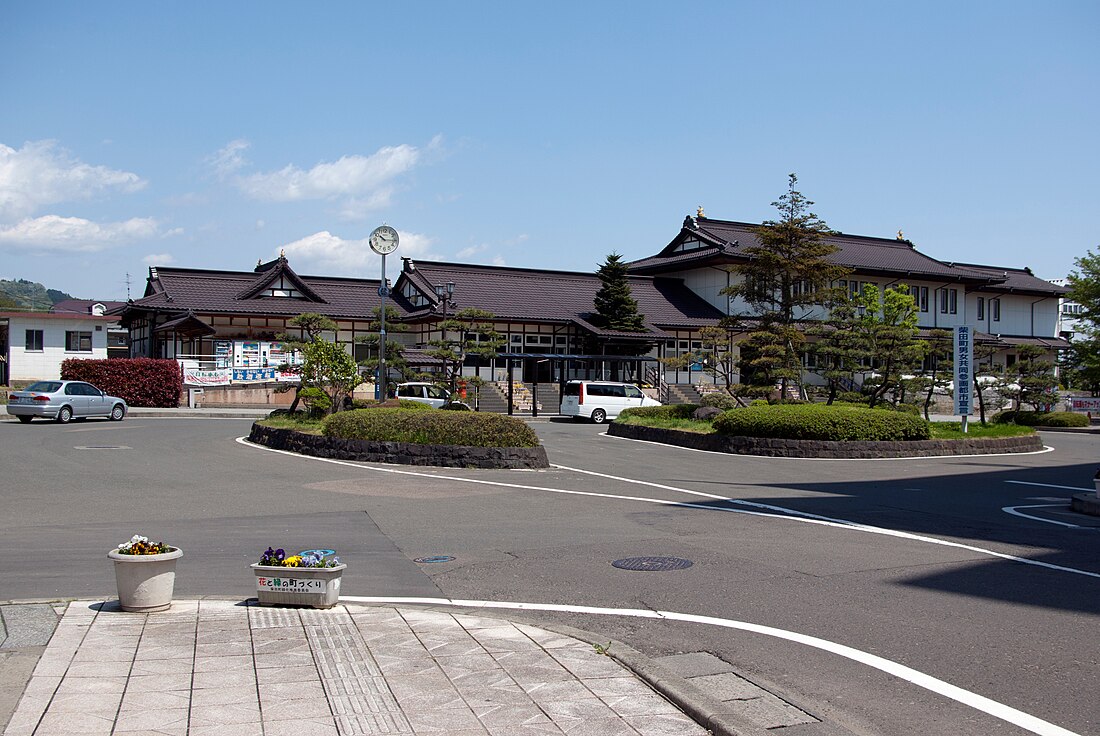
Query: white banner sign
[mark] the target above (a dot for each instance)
(200, 377)
(1085, 404)
(964, 376)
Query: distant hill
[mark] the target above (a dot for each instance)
(23, 294)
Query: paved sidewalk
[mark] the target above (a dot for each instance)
(224, 667)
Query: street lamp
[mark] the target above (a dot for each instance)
(446, 293)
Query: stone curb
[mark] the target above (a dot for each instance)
(772, 447)
(1086, 503)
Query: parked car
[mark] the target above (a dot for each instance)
(63, 401)
(425, 393)
(601, 400)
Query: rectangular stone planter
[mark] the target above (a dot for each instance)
(314, 587)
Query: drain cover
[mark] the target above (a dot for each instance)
(652, 564)
(436, 558)
(102, 447)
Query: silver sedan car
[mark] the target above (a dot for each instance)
(64, 401)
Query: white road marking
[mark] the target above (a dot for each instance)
(1012, 510)
(778, 512)
(979, 702)
(1049, 485)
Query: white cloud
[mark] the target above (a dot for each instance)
(325, 254)
(75, 234)
(230, 159)
(158, 259)
(472, 250)
(42, 173)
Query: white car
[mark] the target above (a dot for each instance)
(601, 400)
(425, 393)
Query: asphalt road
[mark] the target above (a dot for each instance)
(976, 613)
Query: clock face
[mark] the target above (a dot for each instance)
(383, 240)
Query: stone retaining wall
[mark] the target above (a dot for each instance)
(399, 453)
(769, 447)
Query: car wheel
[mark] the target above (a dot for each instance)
(25, 419)
(599, 416)
(117, 413)
(64, 414)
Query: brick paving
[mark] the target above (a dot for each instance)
(215, 667)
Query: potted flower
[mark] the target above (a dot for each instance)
(145, 573)
(308, 578)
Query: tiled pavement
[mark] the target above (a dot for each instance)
(223, 667)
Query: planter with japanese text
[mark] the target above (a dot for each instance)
(316, 587)
(145, 582)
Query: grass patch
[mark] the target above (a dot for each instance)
(680, 423)
(298, 421)
(974, 430)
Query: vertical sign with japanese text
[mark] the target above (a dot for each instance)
(964, 376)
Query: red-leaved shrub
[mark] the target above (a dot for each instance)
(140, 381)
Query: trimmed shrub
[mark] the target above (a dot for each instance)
(140, 381)
(719, 400)
(820, 422)
(668, 411)
(1042, 419)
(388, 404)
(470, 429)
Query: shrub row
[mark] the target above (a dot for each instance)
(820, 422)
(388, 404)
(470, 429)
(140, 381)
(1042, 419)
(667, 411)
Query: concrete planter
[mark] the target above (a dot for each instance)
(145, 582)
(314, 587)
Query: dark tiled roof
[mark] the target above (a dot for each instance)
(725, 242)
(223, 292)
(1015, 280)
(82, 306)
(522, 294)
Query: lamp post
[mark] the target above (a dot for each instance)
(446, 293)
(382, 241)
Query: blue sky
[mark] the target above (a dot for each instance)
(212, 134)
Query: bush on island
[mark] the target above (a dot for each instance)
(820, 422)
(667, 411)
(1042, 419)
(468, 429)
(719, 400)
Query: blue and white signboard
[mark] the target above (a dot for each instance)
(964, 365)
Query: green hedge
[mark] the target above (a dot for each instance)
(139, 381)
(820, 422)
(1042, 419)
(470, 429)
(401, 404)
(719, 400)
(668, 411)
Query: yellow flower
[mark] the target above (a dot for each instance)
(293, 561)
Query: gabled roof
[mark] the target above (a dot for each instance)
(275, 272)
(725, 241)
(83, 306)
(177, 290)
(1015, 280)
(524, 294)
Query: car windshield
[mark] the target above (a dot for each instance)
(45, 387)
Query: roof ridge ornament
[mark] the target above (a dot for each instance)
(699, 211)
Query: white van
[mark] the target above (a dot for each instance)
(420, 391)
(601, 400)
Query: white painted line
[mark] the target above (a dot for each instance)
(1049, 485)
(1012, 510)
(920, 679)
(1043, 451)
(777, 512)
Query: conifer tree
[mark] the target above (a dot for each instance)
(616, 308)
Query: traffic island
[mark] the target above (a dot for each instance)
(773, 447)
(399, 453)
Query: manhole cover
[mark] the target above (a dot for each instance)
(652, 564)
(102, 447)
(434, 558)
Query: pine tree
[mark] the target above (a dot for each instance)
(616, 308)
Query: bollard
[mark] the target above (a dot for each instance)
(1096, 482)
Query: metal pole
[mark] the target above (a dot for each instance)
(382, 290)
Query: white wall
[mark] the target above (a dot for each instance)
(46, 364)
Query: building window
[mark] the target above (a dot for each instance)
(995, 308)
(78, 342)
(981, 307)
(941, 297)
(920, 296)
(34, 340)
(953, 301)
